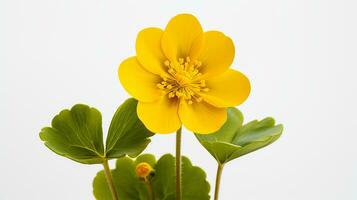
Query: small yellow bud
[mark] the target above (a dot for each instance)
(143, 170)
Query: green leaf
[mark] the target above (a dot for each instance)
(127, 134)
(76, 134)
(130, 187)
(194, 184)
(234, 140)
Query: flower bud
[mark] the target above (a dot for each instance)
(143, 170)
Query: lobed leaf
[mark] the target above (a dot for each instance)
(130, 187)
(234, 140)
(127, 135)
(77, 134)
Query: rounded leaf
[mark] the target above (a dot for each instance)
(76, 134)
(127, 135)
(131, 187)
(234, 140)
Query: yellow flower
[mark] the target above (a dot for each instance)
(181, 75)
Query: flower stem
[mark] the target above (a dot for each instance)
(108, 176)
(218, 180)
(178, 164)
(149, 187)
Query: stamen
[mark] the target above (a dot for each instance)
(160, 86)
(199, 99)
(188, 59)
(167, 63)
(183, 81)
(181, 61)
(171, 95)
(203, 83)
(199, 64)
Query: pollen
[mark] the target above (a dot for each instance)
(184, 80)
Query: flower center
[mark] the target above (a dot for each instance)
(183, 81)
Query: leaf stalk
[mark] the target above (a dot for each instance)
(218, 180)
(109, 177)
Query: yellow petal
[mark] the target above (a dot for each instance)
(138, 82)
(160, 116)
(216, 53)
(201, 117)
(228, 89)
(179, 35)
(148, 50)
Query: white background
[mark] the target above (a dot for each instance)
(300, 56)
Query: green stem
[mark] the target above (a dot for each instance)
(108, 176)
(149, 187)
(178, 164)
(218, 180)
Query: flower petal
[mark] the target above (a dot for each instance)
(216, 52)
(160, 116)
(201, 117)
(148, 50)
(228, 89)
(179, 35)
(138, 82)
